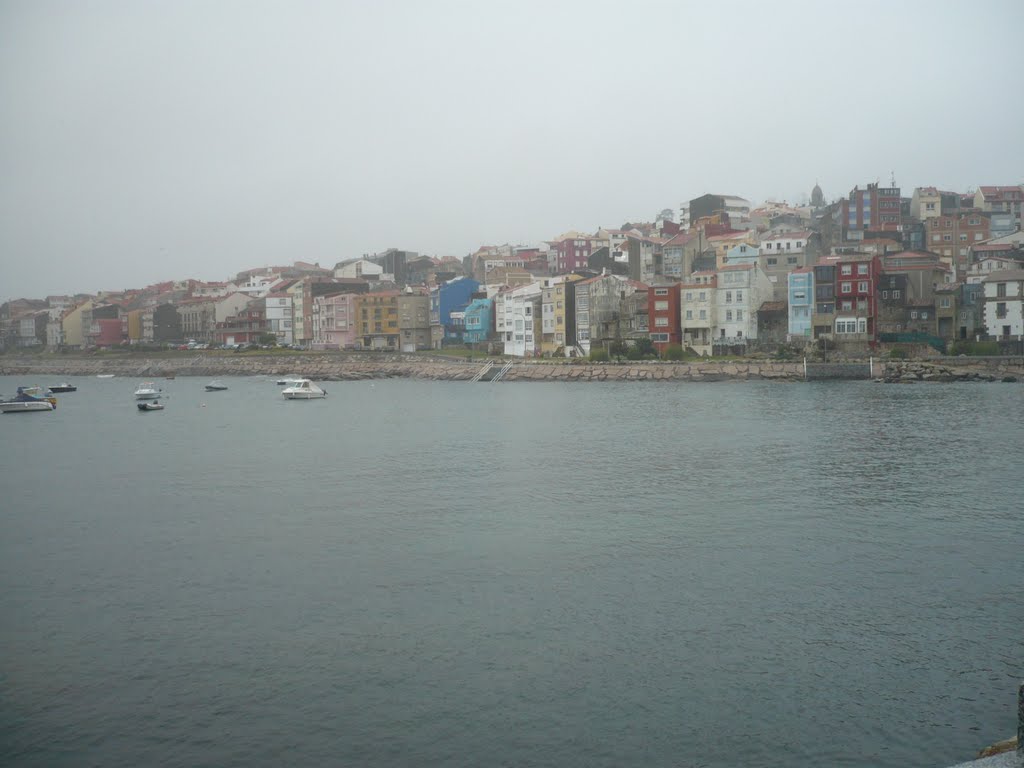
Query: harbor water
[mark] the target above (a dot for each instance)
(449, 574)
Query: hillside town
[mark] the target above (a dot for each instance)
(718, 276)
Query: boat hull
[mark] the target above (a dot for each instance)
(64, 388)
(149, 407)
(305, 395)
(26, 406)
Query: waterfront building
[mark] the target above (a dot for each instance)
(697, 311)
(377, 320)
(873, 209)
(521, 311)
(451, 296)
(279, 316)
(1004, 304)
(740, 289)
(414, 320)
(800, 285)
(663, 316)
(333, 321)
(558, 315)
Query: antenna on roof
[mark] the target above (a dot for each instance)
(892, 178)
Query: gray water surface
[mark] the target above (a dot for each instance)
(414, 574)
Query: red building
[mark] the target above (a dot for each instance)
(953, 235)
(875, 209)
(664, 321)
(108, 332)
(856, 290)
(571, 253)
(246, 327)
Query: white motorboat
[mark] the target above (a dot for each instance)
(153, 405)
(29, 399)
(25, 406)
(216, 386)
(304, 389)
(147, 390)
(104, 375)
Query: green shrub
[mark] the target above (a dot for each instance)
(599, 355)
(674, 352)
(897, 354)
(984, 348)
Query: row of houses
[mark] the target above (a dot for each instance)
(726, 277)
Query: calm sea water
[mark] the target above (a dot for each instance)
(415, 574)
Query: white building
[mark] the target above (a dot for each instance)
(279, 316)
(1004, 304)
(520, 310)
(256, 286)
(362, 268)
(697, 311)
(740, 290)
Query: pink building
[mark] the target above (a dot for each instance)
(334, 321)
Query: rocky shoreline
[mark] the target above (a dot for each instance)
(345, 367)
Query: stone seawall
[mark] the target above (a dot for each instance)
(340, 367)
(326, 367)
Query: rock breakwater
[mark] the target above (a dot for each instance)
(337, 367)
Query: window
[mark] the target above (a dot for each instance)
(689, 314)
(895, 294)
(862, 304)
(703, 314)
(885, 294)
(847, 305)
(862, 286)
(659, 337)
(660, 306)
(978, 235)
(772, 261)
(944, 302)
(661, 321)
(739, 296)
(689, 295)
(924, 315)
(847, 269)
(728, 315)
(936, 237)
(1001, 309)
(661, 291)
(1000, 289)
(862, 269)
(847, 287)
(947, 238)
(739, 314)
(728, 297)
(963, 315)
(700, 297)
(913, 314)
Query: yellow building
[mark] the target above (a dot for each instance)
(558, 315)
(135, 326)
(377, 320)
(72, 324)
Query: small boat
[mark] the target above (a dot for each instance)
(65, 387)
(25, 406)
(147, 390)
(153, 405)
(304, 389)
(104, 375)
(290, 381)
(216, 386)
(30, 399)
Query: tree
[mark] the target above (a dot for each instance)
(269, 339)
(674, 352)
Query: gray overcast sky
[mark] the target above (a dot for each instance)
(143, 141)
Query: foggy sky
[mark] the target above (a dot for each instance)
(145, 141)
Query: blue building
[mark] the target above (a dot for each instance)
(801, 303)
(453, 296)
(479, 321)
(741, 254)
